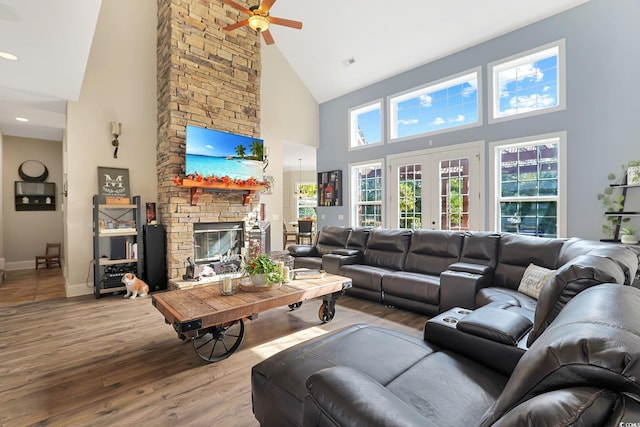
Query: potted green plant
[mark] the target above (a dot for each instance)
(628, 235)
(263, 271)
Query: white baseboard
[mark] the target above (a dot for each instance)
(20, 265)
(77, 289)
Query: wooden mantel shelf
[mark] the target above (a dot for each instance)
(199, 187)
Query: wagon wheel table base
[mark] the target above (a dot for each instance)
(215, 323)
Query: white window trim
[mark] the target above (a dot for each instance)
(392, 101)
(353, 123)
(479, 145)
(494, 176)
(530, 55)
(353, 199)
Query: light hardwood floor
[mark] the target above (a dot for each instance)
(114, 362)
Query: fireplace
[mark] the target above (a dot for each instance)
(217, 241)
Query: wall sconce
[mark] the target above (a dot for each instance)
(265, 159)
(116, 128)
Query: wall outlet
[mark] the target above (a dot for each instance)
(276, 217)
(341, 217)
(322, 216)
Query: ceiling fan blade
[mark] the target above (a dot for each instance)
(265, 6)
(237, 6)
(236, 25)
(268, 38)
(285, 22)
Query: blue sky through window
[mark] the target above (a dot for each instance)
(529, 86)
(365, 125)
(370, 125)
(441, 106)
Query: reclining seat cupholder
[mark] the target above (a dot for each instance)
(457, 311)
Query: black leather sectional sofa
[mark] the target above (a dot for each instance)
(583, 370)
(490, 356)
(431, 271)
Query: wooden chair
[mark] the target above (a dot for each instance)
(305, 231)
(288, 236)
(52, 256)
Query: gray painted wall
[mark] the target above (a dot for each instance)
(601, 119)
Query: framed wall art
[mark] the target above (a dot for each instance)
(113, 185)
(330, 188)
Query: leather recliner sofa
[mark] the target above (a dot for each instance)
(583, 369)
(431, 271)
(345, 240)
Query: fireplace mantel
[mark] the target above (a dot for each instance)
(198, 187)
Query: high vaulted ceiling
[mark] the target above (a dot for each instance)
(52, 39)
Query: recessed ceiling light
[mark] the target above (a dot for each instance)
(22, 119)
(9, 56)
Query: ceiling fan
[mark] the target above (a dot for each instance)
(259, 19)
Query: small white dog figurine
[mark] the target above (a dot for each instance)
(135, 286)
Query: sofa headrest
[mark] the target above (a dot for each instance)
(624, 256)
(480, 247)
(358, 238)
(433, 251)
(585, 271)
(387, 248)
(516, 252)
(332, 237)
(593, 342)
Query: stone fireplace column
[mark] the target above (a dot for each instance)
(207, 78)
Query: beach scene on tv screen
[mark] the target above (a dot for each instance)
(214, 153)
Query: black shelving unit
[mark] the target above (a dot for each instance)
(622, 213)
(118, 244)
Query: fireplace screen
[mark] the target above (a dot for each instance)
(217, 241)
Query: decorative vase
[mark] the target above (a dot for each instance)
(629, 239)
(260, 280)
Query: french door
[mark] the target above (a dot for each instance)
(437, 189)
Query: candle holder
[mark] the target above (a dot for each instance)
(227, 284)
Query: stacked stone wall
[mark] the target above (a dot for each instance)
(210, 78)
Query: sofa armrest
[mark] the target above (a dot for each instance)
(459, 288)
(343, 396)
(332, 262)
(302, 250)
(495, 324)
(346, 252)
(492, 337)
(467, 267)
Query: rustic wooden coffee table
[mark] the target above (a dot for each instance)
(215, 323)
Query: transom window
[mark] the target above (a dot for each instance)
(365, 125)
(529, 187)
(437, 107)
(367, 192)
(528, 83)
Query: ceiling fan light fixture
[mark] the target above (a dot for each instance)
(259, 23)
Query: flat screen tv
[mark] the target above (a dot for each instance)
(214, 153)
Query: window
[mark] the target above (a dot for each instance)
(410, 195)
(365, 125)
(529, 189)
(437, 107)
(306, 200)
(529, 83)
(454, 194)
(366, 190)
